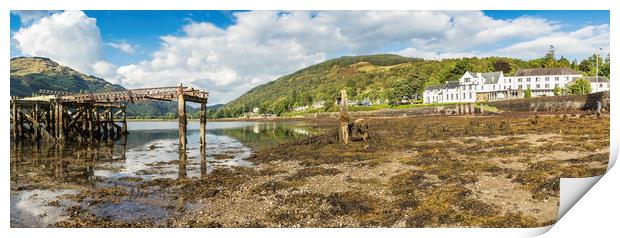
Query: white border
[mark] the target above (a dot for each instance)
(574, 223)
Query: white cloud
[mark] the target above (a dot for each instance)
(106, 70)
(576, 44)
(123, 46)
(27, 17)
(263, 45)
(69, 38)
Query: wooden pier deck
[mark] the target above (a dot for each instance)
(56, 116)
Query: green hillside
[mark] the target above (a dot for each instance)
(378, 77)
(29, 74)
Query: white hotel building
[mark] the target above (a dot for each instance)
(493, 86)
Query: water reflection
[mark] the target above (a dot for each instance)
(41, 173)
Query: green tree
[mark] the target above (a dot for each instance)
(580, 86)
(585, 66)
(557, 91)
(550, 55)
(459, 69)
(528, 92)
(503, 66)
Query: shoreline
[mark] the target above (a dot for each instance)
(487, 170)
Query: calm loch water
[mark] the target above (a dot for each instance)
(43, 175)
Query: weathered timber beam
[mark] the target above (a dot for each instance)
(46, 134)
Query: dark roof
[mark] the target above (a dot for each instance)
(452, 84)
(593, 79)
(434, 87)
(546, 71)
(448, 84)
(491, 77)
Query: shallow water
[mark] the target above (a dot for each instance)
(42, 175)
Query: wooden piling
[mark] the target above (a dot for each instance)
(111, 126)
(15, 121)
(124, 126)
(344, 118)
(182, 120)
(203, 124)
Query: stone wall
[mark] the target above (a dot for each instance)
(554, 104)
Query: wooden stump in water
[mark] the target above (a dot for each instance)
(344, 118)
(182, 120)
(203, 124)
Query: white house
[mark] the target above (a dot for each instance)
(493, 86)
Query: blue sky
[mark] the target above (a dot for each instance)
(231, 52)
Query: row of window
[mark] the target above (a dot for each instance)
(452, 96)
(536, 79)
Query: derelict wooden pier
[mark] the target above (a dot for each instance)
(58, 117)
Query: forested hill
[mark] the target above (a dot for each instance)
(376, 77)
(29, 74)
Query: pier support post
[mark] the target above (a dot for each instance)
(124, 126)
(14, 113)
(182, 121)
(60, 136)
(37, 133)
(203, 124)
(344, 117)
(111, 126)
(89, 114)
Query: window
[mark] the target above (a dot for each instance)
(600, 85)
(519, 80)
(520, 86)
(547, 85)
(493, 86)
(557, 85)
(466, 80)
(528, 80)
(557, 78)
(546, 78)
(537, 79)
(510, 80)
(537, 85)
(567, 78)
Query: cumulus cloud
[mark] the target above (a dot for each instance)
(123, 46)
(263, 45)
(27, 17)
(71, 38)
(106, 70)
(575, 44)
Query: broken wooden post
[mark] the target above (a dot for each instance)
(61, 125)
(124, 126)
(344, 117)
(37, 133)
(14, 113)
(203, 124)
(91, 128)
(182, 120)
(111, 126)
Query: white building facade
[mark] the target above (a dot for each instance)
(493, 86)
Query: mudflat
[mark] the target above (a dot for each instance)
(422, 171)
